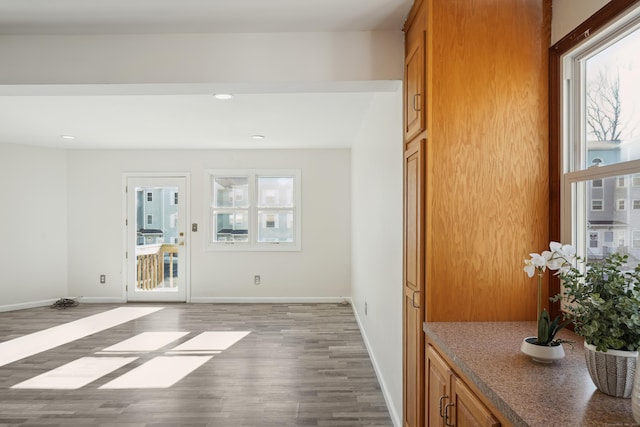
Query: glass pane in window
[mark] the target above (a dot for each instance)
(231, 226)
(231, 192)
(610, 228)
(275, 226)
(612, 103)
(275, 191)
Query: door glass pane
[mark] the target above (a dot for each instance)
(275, 226)
(230, 192)
(612, 103)
(157, 239)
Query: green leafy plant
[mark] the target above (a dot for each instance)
(603, 301)
(560, 258)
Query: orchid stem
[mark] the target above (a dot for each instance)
(539, 296)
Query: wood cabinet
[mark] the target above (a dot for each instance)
(413, 300)
(476, 167)
(415, 110)
(437, 386)
(449, 401)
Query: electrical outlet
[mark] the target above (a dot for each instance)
(365, 308)
(256, 279)
(103, 279)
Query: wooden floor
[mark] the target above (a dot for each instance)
(301, 365)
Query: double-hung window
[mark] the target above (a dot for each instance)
(254, 210)
(599, 99)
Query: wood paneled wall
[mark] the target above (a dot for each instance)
(487, 155)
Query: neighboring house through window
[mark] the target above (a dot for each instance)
(255, 210)
(596, 100)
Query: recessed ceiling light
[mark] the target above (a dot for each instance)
(257, 136)
(223, 96)
(67, 137)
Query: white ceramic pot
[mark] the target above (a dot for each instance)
(612, 371)
(635, 397)
(541, 353)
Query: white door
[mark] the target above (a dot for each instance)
(157, 248)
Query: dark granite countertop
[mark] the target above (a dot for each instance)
(525, 392)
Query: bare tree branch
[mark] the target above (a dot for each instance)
(604, 107)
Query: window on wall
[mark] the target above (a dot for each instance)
(622, 182)
(599, 133)
(621, 204)
(255, 210)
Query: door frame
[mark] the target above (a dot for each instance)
(187, 221)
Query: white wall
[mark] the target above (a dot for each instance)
(320, 270)
(376, 278)
(568, 14)
(33, 226)
(201, 58)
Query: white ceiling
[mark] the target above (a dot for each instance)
(189, 119)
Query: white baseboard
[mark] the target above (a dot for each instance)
(270, 300)
(395, 417)
(25, 305)
(101, 300)
(48, 302)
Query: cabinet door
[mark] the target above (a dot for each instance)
(414, 94)
(467, 409)
(413, 305)
(437, 395)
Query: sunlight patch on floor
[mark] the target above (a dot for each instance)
(37, 342)
(160, 372)
(146, 341)
(212, 340)
(76, 374)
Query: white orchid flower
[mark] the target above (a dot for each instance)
(556, 247)
(536, 263)
(569, 251)
(555, 263)
(560, 257)
(564, 268)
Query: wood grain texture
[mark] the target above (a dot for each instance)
(415, 105)
(413, 293)
(487, 191)
(301, 365)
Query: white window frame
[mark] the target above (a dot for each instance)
(252, 244)
(635, 233)
(576, 172)
(621, 205)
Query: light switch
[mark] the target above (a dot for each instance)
(194, 227)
